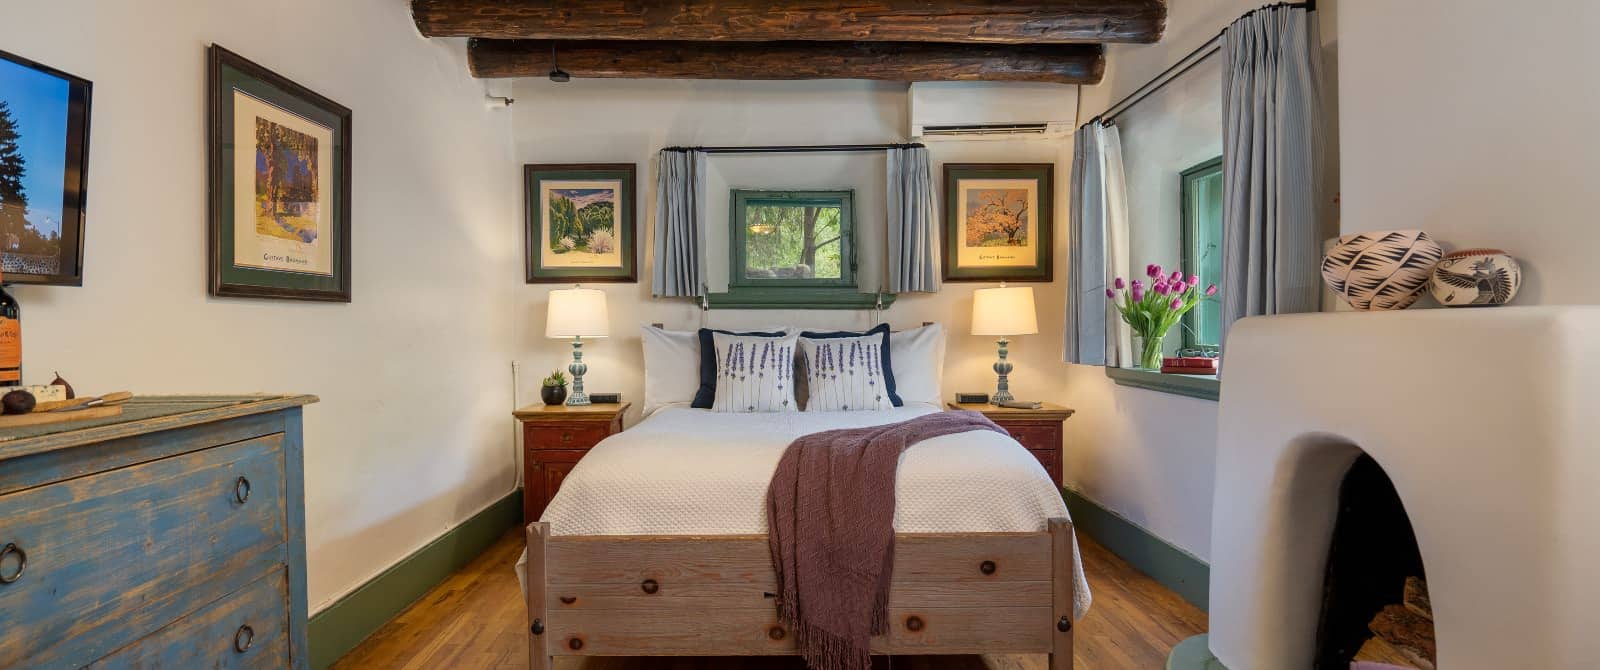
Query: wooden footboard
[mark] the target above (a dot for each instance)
(663, 595)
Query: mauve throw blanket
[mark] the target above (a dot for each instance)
(830, 519)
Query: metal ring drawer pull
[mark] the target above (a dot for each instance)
(986, 567)
(649, 586)
(22, 562)
(243, 637)
(241, 490)
(914, 623)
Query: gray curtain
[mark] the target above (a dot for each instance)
(680, 221)
(1272, 163)
(1097, 249)
(913, 224)
(1086, 254)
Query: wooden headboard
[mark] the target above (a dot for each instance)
(661, 325)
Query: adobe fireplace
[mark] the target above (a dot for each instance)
(1487, 424)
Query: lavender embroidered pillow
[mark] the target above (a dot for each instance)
(754, 373)
(845, 373)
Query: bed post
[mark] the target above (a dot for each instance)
(1062, 559)
(538, 649)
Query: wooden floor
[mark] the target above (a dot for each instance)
(476, 619)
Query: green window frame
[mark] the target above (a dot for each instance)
(1201, 226)
(747, 292)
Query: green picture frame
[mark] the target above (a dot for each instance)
(999, 222)
(581, 223)
(278, 185)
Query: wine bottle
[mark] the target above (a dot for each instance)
(10, 339)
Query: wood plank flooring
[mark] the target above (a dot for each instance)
(476, 619)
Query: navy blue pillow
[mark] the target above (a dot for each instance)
(706, 395)
(888, 370)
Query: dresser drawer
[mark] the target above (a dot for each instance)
(564, 435)
(244, 629)
(1036, 436)
(114, 556)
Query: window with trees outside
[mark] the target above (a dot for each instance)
(791, 240)
(1202, 250)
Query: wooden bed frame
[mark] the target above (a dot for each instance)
(666, 595)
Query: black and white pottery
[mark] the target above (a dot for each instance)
(1381, 270)
(1476, 277)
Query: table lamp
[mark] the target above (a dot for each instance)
(577, 313)
(1003, 311)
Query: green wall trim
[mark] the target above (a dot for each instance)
(1195, 386)
(336, 630)
(1174, 568)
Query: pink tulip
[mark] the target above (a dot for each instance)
(1153, 270)
(1177, 277)
(1194, 280)
(1120, 284)
(1160, 287)
(1211, 290)
(1111, 294)
(1177, 303)
(1138, 292)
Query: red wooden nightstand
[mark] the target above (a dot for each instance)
(1037, 429)
(554, 439)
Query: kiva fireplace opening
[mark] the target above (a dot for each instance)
(1375, 604)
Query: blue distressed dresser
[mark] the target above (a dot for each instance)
(170, 537)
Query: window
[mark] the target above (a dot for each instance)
(1202, 250)
(792, 239)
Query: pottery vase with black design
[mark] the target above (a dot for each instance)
(1476, 278)
(1381, 270)
(553, 395)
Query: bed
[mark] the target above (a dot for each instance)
(656, 546)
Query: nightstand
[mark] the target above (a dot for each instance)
(1037, 429)
(555, 438)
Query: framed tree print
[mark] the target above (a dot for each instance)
(580, 223)
(278, 163)
(998, 221)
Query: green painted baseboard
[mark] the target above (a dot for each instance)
(341, 626)
(1174, 568)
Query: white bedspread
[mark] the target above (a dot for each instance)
(686, 471)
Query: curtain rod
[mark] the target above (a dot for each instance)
(1189, 60)
(797, 149)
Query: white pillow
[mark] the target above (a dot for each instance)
(918, 359)
(671, 366)
(845, 373)
(754, 374)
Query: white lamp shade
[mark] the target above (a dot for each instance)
(1003, 311)
(577, 312)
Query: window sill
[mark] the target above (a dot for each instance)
(1204, 387)
(794, 297)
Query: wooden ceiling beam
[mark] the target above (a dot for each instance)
(889, 61)
(982, 21)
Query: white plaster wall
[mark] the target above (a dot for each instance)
(1150, 456)
(628, 121)
(1479, 146)
(413, 433)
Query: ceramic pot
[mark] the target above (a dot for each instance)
(1476, 277)
(1381, 270)
(553, 395)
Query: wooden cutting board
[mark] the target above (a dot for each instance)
(40, 418)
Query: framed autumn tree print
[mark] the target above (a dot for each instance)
(998, 221)
(279, 185)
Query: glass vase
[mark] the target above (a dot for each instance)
(1150, 352)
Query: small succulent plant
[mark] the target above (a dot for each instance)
(556, 378)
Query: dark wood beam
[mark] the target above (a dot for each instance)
(890, 61)
(993, 21)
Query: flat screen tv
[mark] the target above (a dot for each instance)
(44, 153)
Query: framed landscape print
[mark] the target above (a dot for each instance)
(44, 155)
(581, 225)
(998, 221)
(279, 185)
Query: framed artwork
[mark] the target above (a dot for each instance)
(44, 157)
(278, 164)
(998, 221)
(580, 223)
